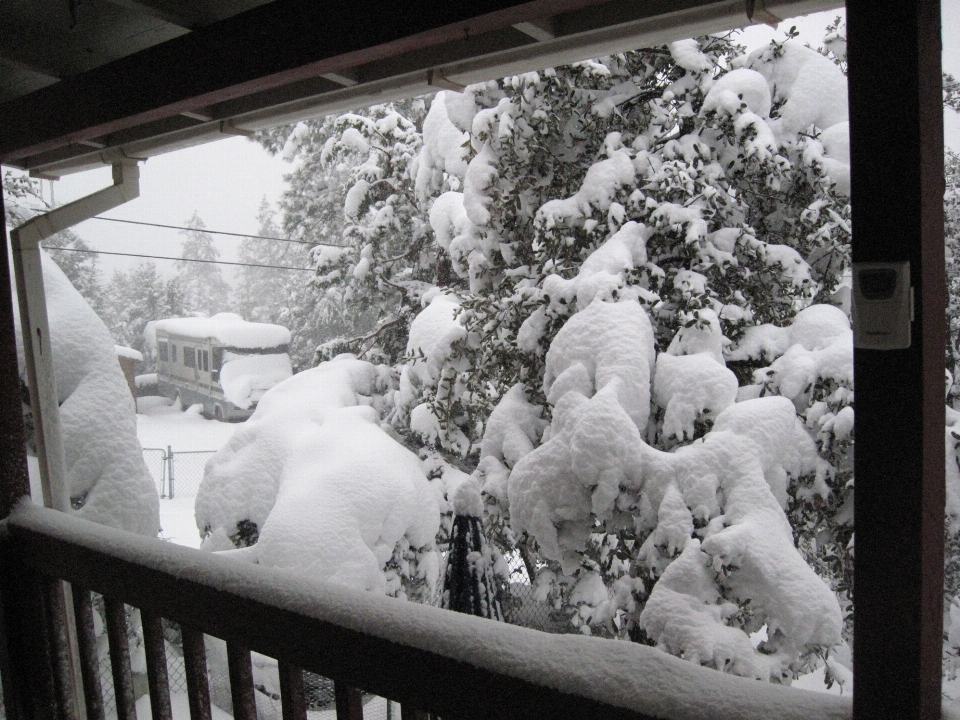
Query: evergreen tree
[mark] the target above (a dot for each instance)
(204, 289)
(264, 293)
(22, 198)
(81, 265)
(136, 297)
(353, 196)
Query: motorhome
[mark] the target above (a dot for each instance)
(223, 363)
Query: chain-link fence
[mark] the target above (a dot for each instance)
(177, 474)
(521, 606)
(156, 461)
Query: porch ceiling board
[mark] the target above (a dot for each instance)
(263, 66)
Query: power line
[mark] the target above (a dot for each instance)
(180, 259)
(212, 232)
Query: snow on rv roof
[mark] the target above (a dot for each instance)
(228, 329)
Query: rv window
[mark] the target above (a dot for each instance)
(162, 351)
(173, 352)
(190, 357)
(217, 359)
(205, 360)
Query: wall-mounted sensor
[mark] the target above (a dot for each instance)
(882, 305)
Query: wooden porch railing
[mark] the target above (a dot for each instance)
(427, 659)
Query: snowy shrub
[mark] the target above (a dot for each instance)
(107, 479)
(312, 483)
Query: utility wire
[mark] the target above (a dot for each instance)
(180, 259)
(212, 232)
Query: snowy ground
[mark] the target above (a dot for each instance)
(159, 425)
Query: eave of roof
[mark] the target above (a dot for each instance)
(271, 65)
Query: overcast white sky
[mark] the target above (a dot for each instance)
(225, 181)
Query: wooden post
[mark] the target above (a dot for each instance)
(292, 702)
(120, 659)
(241, 682)
(89, 659)
(349, 702)
(156, 656)
(195, 664)
(896, 134)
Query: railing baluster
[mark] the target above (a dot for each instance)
(60, 645)
(89, 659)
(349, 702)
(241, 682)
(411, 713)
(195, 664)
(156, 666)
(120, 659)
(292, 700)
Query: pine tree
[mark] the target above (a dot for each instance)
(80, 264)
(135, 297)
(204, 289)
(263, 294)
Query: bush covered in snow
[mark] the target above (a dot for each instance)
(313, 483)
(106, 476)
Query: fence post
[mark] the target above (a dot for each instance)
(170, 470)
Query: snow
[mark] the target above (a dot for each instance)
(739, 86)
(128, 353)
(686, 53)
(445, 146)
(597, 192)
(466, 499)
(514, 426)
(244, 379)
(227, 329)
(332, 494)
(355, 197)
(145, 380)
(604, 344)
(432, 333)
(690, 387)
(160, 424)
(593, 467)
(105, 468)
(815, 328)
(627, 675)
(479, 177)
(814, 88)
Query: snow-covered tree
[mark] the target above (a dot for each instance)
(697, 191)
(469, 580)
(352, 195)
(264, 293)
(618, 293)
(22, 198)
(135, 297)
(106, 476)
(204, 289)
(80, 264)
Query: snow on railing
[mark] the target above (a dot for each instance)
(453, 665)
